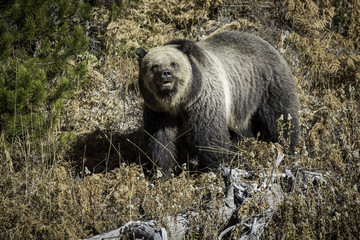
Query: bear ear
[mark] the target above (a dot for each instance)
(186, 47)
(140, 54)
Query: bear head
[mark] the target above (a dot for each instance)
(165, 75)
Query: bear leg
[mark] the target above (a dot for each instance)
(160, 136)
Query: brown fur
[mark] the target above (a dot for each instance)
(228, 83)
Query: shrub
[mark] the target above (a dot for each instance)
(39, 43)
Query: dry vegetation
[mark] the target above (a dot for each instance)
(79, 181)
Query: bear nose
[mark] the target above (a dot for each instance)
(166, 74)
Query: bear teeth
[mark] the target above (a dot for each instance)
(166, 83)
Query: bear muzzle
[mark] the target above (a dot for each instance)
(166, 74)
(166, 80)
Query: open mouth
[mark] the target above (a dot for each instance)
(166, 85)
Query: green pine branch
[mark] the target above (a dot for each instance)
(38, 39)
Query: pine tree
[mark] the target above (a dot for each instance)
(39, 44)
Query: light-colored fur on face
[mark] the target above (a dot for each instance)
(181, 74)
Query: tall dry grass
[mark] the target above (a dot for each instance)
(45, 195)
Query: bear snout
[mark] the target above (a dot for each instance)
(166, 80)
(166, 74)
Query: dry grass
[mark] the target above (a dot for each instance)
(46, 193)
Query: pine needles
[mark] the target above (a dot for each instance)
(38, 40)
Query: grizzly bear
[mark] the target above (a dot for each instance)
(229, 86)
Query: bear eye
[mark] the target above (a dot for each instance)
(154, 68)
(172, 64)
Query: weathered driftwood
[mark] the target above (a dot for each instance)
(239, 191)
(134, 230)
